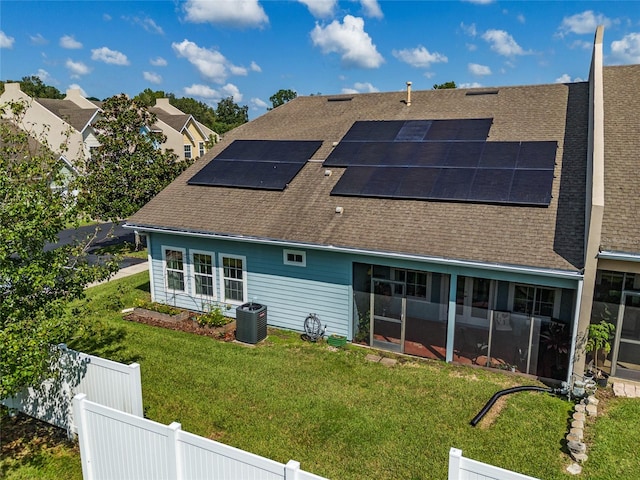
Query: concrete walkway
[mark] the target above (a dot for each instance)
(124, 272)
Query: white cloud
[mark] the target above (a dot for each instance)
(147, 23)
(349, 40)
(67, 41)
(469, 29)
(477, 69)
(583, 23)
(152, 77)
(371, 8)
(566, 78)
(210, 63)
(582, 44)
(106, 17)
(208, 93)
(480, 2)
(320, 8)
(361, 87)
(6, 41)
(470, 85)
(109, 56)
(43, 75)
(472, 47)
(521, 18)
(234, 13)
(75, 86)
(38, 39)
(419, 57)
(503, 43)
(255, 67)
(76, 68)
(627, 50)
(158, 62)
(257, 103)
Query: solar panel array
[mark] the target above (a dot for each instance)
(258, 164)
(442, 160)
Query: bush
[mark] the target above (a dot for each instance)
(215, 317)
(158, 307)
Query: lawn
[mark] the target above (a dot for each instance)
(340, 415)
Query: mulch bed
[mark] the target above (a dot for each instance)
(225, 333)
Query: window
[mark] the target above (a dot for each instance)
(201, 148)
(203, 278)
(532, 300)
(187, 151)
(234, 279)
(295, 257)
(174, 268)
(417, 284)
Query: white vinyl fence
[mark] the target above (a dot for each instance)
(115, 444)
(461, 468)
(103, 381)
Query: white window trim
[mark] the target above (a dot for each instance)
(201, 149)
(286, 252)
(245, 295)
(556, 298)
(164, 268)
(194, 273)
(427, 297)
(190, 151)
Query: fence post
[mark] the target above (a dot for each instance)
(175, 463)
(83, 435)
(291, 470)
(455, 458)
(135, 390)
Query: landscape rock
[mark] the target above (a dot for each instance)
(592, 410)
(578, 432)
(576, 447)
(574, 469)
(579, 416)
(577, 424)
(579, 408)
(591, 400)
(579, 457)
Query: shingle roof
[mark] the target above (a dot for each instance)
(71, 113)
(177, 122)
(621, 221)
(305, 211)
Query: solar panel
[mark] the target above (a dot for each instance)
(363, 131)
(417, 183)
(246, 174)
(413, 131)
(491, 185)
(531, 187)
(288, 151)
(464, 154)
(261, 164)
(453, 184)
(499, 155)
(537, 155)
(473, 128)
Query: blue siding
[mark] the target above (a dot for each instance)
(290, 292)
(323, 286)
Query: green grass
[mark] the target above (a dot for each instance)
(339, 415)
(125, 249)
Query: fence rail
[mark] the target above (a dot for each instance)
(103, 381)
(145, 449)
(461, 468)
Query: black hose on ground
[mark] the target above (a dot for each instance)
(496, 396)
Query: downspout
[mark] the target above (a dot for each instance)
(595, 200)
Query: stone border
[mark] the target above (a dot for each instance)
(588, 407)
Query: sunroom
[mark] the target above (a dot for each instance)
(518, 324)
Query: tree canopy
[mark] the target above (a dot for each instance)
(128, 168)
(281, 97)
(36, 88)
(36, 283)
(202, 112)
(230, 115)
(445, 85)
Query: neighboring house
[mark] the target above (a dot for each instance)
(451, 224)
(187, 137)
(65, 124)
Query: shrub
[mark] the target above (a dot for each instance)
(215, 316)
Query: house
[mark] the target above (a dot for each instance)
(66, 124)
(185, 135)
(450, 224)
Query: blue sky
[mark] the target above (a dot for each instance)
(249, 49)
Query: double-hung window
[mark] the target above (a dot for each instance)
(201, 148)
(233, 273)
(203, 273)
(187, 151)
(174, 268)
(536, 301)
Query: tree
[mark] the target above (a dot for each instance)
(36, 283)
(202, 112)
(128, 168)
(229, 115)
(445, 85)
(35, 88)
(281, 97)
(148, 97)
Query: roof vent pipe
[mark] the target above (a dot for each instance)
(408, 94)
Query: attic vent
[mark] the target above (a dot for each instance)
(339, 99)
(472, 93)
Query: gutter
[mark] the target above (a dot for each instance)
(620, 256)
(374, 253)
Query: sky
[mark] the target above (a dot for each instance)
(250, 49)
